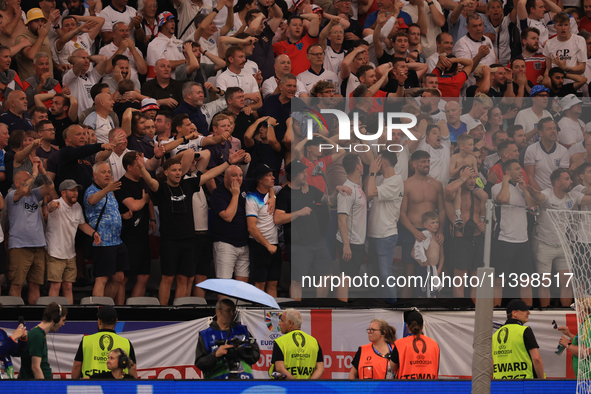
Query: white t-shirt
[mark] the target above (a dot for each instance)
(243, 80)
(540, 25)
(579, 147)
(310, 78)
(186, 13)
(584, 228)
(571, 131)
(432, 61)
(466, 118)
(385, 208)
(574, 29)
(255, 207)
(333, 60)
(200, 208)
(163, 47)
(83, 41)
(269, 86)
(102, 128)
(209, 45)
(467, 48)
(113, 16)
(545, 162)
(195, 144)
(109, 51)
(80, 87)
(250, 67)
(529, 121)
(60, 232)
(401, 167)
(511, 222)
(352, 83)
(440, 159)
(116, 163)
(573, 50)
(355, 207)
(545, 231)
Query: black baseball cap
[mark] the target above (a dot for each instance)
(314, 141)
(295, 167)
(517, 305)
(107, 314)
(261, 170)
(414, 315)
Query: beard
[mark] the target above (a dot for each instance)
(76, 11)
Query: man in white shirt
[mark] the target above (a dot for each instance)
(567, 51)
(187, 10)
(433, 21)
(207, 33)
(571, 126)
(475, 45)
(118, 138)
(122, 45)
(480, 107)
(532, 13)
(529, 118)
(80, 78)
(316, 72)
(165, 45)
(544, 157)
(547, 250)
(511, 251)
(235, 76)
(333, 53)
(382, 228)
(76, 37)
(436, 142)
(64, 218)
(119, 11)
(352, 223)
(445, 44)
(263, 243)
(99, 120)
(282, 67)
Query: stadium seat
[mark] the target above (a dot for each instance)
(97, 301)
(142, 301)
(189, 301)
(49, 300)
(11, 300)
(283, 299)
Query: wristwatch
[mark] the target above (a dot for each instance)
(372, 174)
(429, 3)
(215, 10)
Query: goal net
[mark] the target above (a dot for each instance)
(574, 233)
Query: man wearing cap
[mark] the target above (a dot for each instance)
(150, 108)
(165, 45)
(123, 45)
(37, 30)
(263, 244)
(528, 118)
(94, 349)
(570, 125)
(515, 350)
(297, 212)
(64, 218)
(99, 120)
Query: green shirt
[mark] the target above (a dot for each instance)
(36, 347)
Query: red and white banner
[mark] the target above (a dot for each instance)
(168, 352)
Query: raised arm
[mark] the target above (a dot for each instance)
(346, 64)
(229, 19)
(207, 21)
(314, 27)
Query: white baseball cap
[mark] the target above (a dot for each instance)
(472, 125)
(568, 101)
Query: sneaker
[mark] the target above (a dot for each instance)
(459, 220)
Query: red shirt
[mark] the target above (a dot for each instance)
(318, 180)
(449, 86)
(498, 169)
(297, 52)
(535, 66)
(585, 24)
(377, 104)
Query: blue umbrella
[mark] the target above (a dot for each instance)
(241, 290)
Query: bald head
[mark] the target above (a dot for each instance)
(103, 103)
(232, 174)
(17, 102)
(282, 65)
(20, 178)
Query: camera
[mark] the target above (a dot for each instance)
(241, 349)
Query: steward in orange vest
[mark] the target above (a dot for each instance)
(371, 360)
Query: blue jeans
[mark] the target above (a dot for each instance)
(381, 254)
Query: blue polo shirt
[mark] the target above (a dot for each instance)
(15, 122)
(454, 133)
(195, 115)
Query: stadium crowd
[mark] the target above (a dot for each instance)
(124, 120)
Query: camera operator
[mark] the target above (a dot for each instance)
(219, 359)
(11, 346)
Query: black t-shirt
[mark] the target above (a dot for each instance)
(235, 232)
(263, 154)
(567, 88)
(60, 125)
(262, 54)
(109, 375)
(175, 204)
(137, 228)
(305, 229)
(243, 122)
(174, 90)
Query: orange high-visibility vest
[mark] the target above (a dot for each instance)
(371, 365)
(419, 358)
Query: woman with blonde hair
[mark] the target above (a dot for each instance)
(371, 360)
(117, 363)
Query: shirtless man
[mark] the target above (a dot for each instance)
(13, 22)
(467, 252)
(422, 193)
